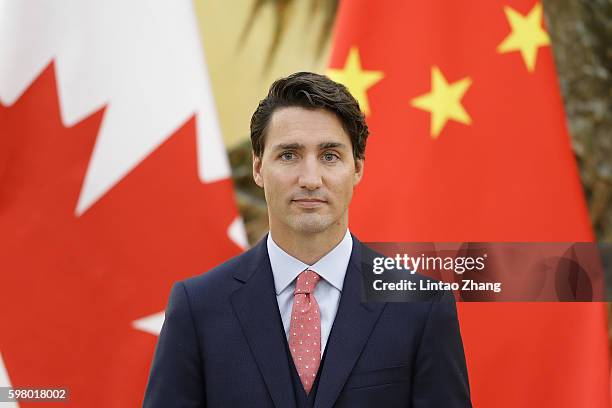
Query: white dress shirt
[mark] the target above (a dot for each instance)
(331, 268)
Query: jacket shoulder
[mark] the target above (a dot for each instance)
(220, 279)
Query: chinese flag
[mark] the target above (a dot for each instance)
(114, 184)
(468, 143)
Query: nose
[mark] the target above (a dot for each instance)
(310, 175)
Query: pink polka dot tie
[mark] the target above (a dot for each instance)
(305, 329)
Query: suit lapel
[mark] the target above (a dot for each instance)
(257, 310)
(351, 329)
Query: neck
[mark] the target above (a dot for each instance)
(309, 247)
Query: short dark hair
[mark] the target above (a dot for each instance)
(311, 91)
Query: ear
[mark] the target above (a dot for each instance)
(358, 171)
(257, 170)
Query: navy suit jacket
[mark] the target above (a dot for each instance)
(222, 345)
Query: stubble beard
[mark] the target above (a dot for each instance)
(310, 223)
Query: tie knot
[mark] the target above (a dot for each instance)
(306, 282)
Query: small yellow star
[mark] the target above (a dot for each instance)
(444, 101)
(527, 34)
(356, 79)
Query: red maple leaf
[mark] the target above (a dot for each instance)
(73, 285)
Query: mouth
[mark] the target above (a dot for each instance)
(309, 202)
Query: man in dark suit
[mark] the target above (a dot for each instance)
(283, 324)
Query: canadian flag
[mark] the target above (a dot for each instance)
(114, 183)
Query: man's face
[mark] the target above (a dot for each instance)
(307, 170)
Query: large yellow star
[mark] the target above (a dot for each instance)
(527, 34)
(444, 101)
(356, 79)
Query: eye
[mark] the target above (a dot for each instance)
(287, 156)
(330, 157)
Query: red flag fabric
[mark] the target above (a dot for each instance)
(468, 143)
(103, 209)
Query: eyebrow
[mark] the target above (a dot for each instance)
(299, 146)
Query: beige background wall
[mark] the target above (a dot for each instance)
(238, 72)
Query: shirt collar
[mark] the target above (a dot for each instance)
(331, 267)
